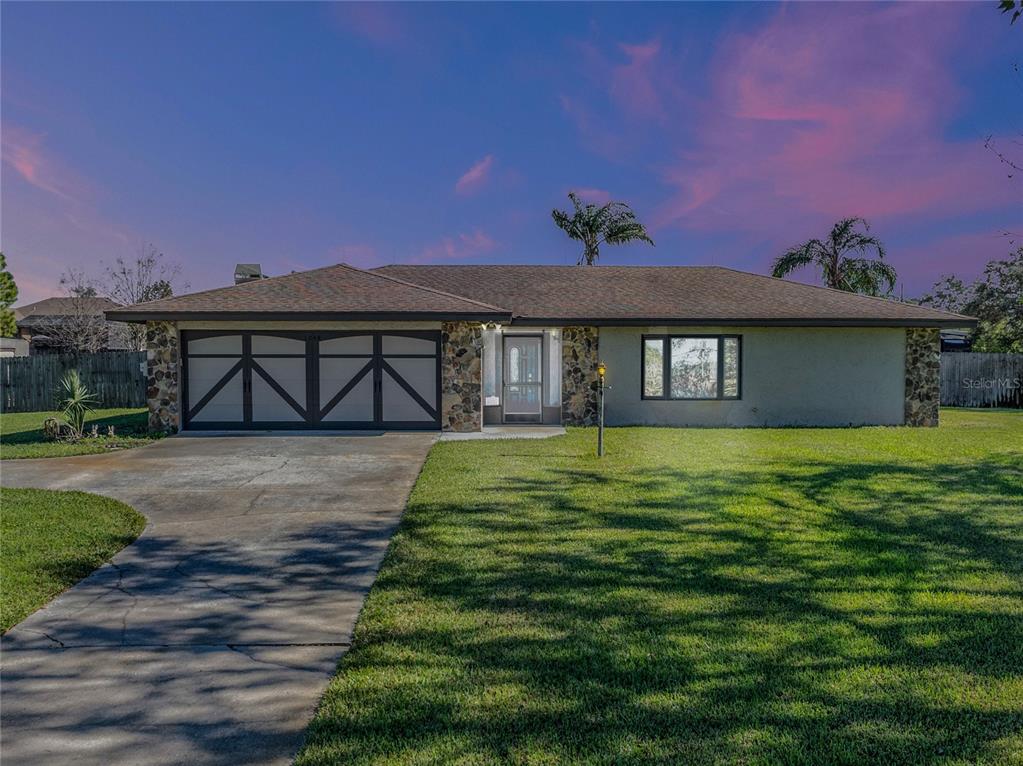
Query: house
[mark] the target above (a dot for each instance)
(49, 324)
(457, 347)
(13, 347)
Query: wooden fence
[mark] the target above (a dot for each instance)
(31, 383)
(982, 380)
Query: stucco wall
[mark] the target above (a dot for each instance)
(790, 376)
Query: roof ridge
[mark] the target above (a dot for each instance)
(424, 287)
(840, 292)
(541, 266)
(262, 281)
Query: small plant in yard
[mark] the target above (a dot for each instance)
(76, 403)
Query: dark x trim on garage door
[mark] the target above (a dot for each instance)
(320, 397)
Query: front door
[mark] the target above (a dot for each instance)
(523, 383)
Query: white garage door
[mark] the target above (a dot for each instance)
(264, 379)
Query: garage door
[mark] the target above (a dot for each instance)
(329, 380)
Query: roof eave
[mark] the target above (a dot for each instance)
(306, 316)
(966, 322)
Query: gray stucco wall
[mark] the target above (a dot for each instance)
(790, 376)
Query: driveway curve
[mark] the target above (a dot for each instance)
(211, 638)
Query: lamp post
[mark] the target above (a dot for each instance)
(601, 372)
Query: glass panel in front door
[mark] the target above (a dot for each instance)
(522, 375)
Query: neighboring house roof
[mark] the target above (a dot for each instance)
(46, 310)
(609, 295)
(333, 292)
(699, 295)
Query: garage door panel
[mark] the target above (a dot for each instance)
(205, 375)
(288, 373)
(355, 407)
(401, 344)
(421, 374)
(335, 374)
(227, 404)
(275, 344)
(269, 406)
(399, 406)
(218, 344)
(349, 344)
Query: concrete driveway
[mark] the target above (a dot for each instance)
(212, 637)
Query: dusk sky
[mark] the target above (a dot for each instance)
(300, 135)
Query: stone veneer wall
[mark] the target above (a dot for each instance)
(579, 358)
(461, 377)
(162, 376)
(923, 375)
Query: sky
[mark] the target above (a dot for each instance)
(301, 135)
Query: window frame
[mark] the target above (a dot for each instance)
(666, 339)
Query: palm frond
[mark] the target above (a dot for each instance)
(869, 276)
(797, 257)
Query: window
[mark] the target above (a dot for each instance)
(492, 367)
(691, 366)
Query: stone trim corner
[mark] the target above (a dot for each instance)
(579, 383)
(461, 379)
(162, 371)
(923, 376)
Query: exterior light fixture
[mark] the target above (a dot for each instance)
(601, 370)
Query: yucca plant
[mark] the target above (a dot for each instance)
(76, 402)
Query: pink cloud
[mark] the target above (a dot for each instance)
(963, 255)
(596, 196)
(460, 247)
(633, 85)
(380, 23)
(475, 177)
(805, 123)
(25, 153)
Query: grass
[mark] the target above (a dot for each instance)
(51, 540)
(21, 434)
(795, 596)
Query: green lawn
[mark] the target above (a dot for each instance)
(51, 540)
(21, 434)
(787, 596)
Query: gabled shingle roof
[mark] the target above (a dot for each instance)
(658, 294)
(637, 295)
(333, 292)
(62, 306)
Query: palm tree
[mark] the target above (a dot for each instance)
(593, 225)
(861, 274)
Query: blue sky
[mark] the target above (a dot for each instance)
(297, 135)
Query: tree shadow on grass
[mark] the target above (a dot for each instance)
(831, 614)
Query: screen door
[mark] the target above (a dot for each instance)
(523, 379)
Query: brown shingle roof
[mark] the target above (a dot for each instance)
(655, 294)
(704, 295)
(339, 291)
(55, 307)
